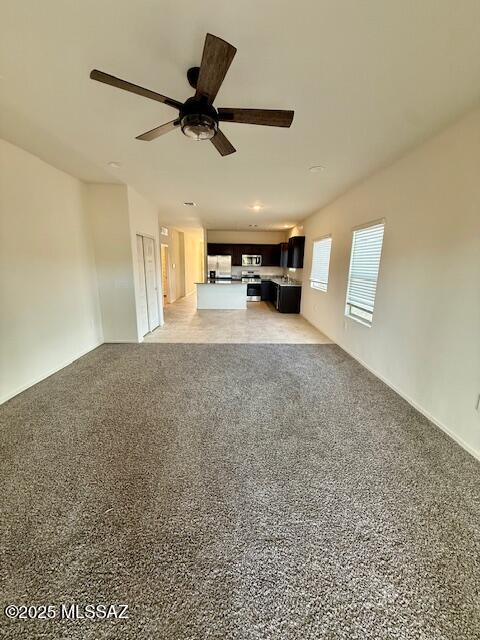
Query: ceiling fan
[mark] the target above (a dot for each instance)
(197, 117)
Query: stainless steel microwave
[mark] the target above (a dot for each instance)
(251, 261)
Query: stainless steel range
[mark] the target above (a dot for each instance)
(254, 285)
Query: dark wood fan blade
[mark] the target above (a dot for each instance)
(159, 131)
(216, 59)
(106, 78)
(267, 117)
(222, 144)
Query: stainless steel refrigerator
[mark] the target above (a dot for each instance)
(221, 265)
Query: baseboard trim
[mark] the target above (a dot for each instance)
(49, 373)
(473, 452)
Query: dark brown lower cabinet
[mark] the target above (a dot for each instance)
(285, 299)
(267, 291)
(288, 299)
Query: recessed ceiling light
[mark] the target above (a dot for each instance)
(190, 204)
(316, 168)
(286, 226)
(256, 207)
(114, 165)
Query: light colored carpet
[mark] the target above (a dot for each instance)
(236, 492)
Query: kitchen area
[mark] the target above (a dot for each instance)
(239, 272)
(251, 293)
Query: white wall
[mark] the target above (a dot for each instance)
(425, 338)
(108, 211)
(186, 258)
(176, 261)
(262, 271)
(298, 230)
(167, 239)
(253, 237)
(49, 307)
(194, 251)
(68, 267)
(144, 221)
(177, 257)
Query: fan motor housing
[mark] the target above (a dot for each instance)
(198, 119)
(192, 76)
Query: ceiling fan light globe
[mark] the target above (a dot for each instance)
(198, 126)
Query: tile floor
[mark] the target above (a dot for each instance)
(259, 323)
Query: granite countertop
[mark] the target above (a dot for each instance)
(230, 281)
(282, 283)
(223, 281)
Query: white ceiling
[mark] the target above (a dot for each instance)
(367, 80)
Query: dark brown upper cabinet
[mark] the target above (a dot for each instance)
(296, 249)
(237, 255)
(270, 252)
(270, 255)
(219, 249)
(283, 248)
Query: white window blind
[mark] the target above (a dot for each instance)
(320, 263)
(362, 278)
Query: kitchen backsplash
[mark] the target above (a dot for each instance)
(263, 271)
(296, 274)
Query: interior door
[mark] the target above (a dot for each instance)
(151, 282)
(143, 308)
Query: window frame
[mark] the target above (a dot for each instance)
(348, 305)
(327, 236)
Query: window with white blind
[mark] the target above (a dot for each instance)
(362, 278)
(320, 263)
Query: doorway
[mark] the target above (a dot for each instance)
(165, 274)
(148, 289)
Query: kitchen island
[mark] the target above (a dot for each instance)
(221, 294)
